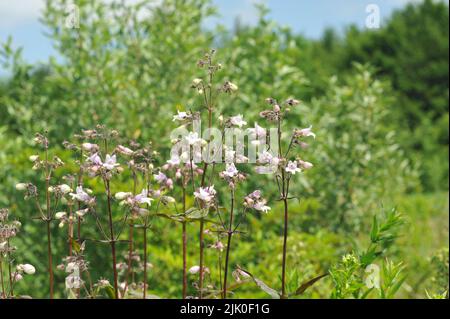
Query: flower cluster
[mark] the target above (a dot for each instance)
(256, 202)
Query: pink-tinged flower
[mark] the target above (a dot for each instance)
(95, 159)
(292, 168)
(305, 132)
(124, 150)
(218, 245)
(257, 131)
(196, 269)
(305, 165)
(230, 171)
(205, 194)
(169, 183)
(82, 196)
(160, 177)
(255, 201)
(267, 158)
(90, 147)
(238, 121)
(174, 161)
(110, 162)
(143, 198)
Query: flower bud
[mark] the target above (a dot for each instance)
(65, 189)
(122, 195)
(60, 215)
(21, 186)
(26, 268)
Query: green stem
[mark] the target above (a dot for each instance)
(227, 255)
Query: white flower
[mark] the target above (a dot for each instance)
(267, 157)
(60, 215)
(181, 116)
(205, 194)
(218, 245)
(257, 133)
(81, 195)
(17, 277)
(95, 159)
(230, 170)
(122, 195)
(305, 165)
(160, 177)
(143, 198)
(305, 132)
(196, 82)
(89, 147)
(26, 268)
(260, 206)
(192, 138)
(110, 162)
(34, 158)
(238, 121)
(174, 161)
(21, 186)
(82, 212)
(292, 168)
(194, 270)
(64, 188)
(124, 150)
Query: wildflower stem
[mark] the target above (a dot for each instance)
(48, 221)
(283, 273)
(145, 263)
(284, 195)
(11, 284)
(1, 279)
(80, 183)
(130, 240)
(144, 293)
(70, 230)
(227, 255)
(112, 239)
(184, 239)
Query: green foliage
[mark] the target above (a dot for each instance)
(357, 275)
(357, 151)
(412, 50)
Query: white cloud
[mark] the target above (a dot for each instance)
(16, 13)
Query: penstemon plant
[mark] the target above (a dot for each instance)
(8, 276)
(207, 168)
(286, 168)
(54, 195)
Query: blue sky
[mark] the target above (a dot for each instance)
(19, 18)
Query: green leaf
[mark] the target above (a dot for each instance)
(110, 291)
(196, 213)
(272, 292)
(300, 290)
(374, 232)
(76, 246)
